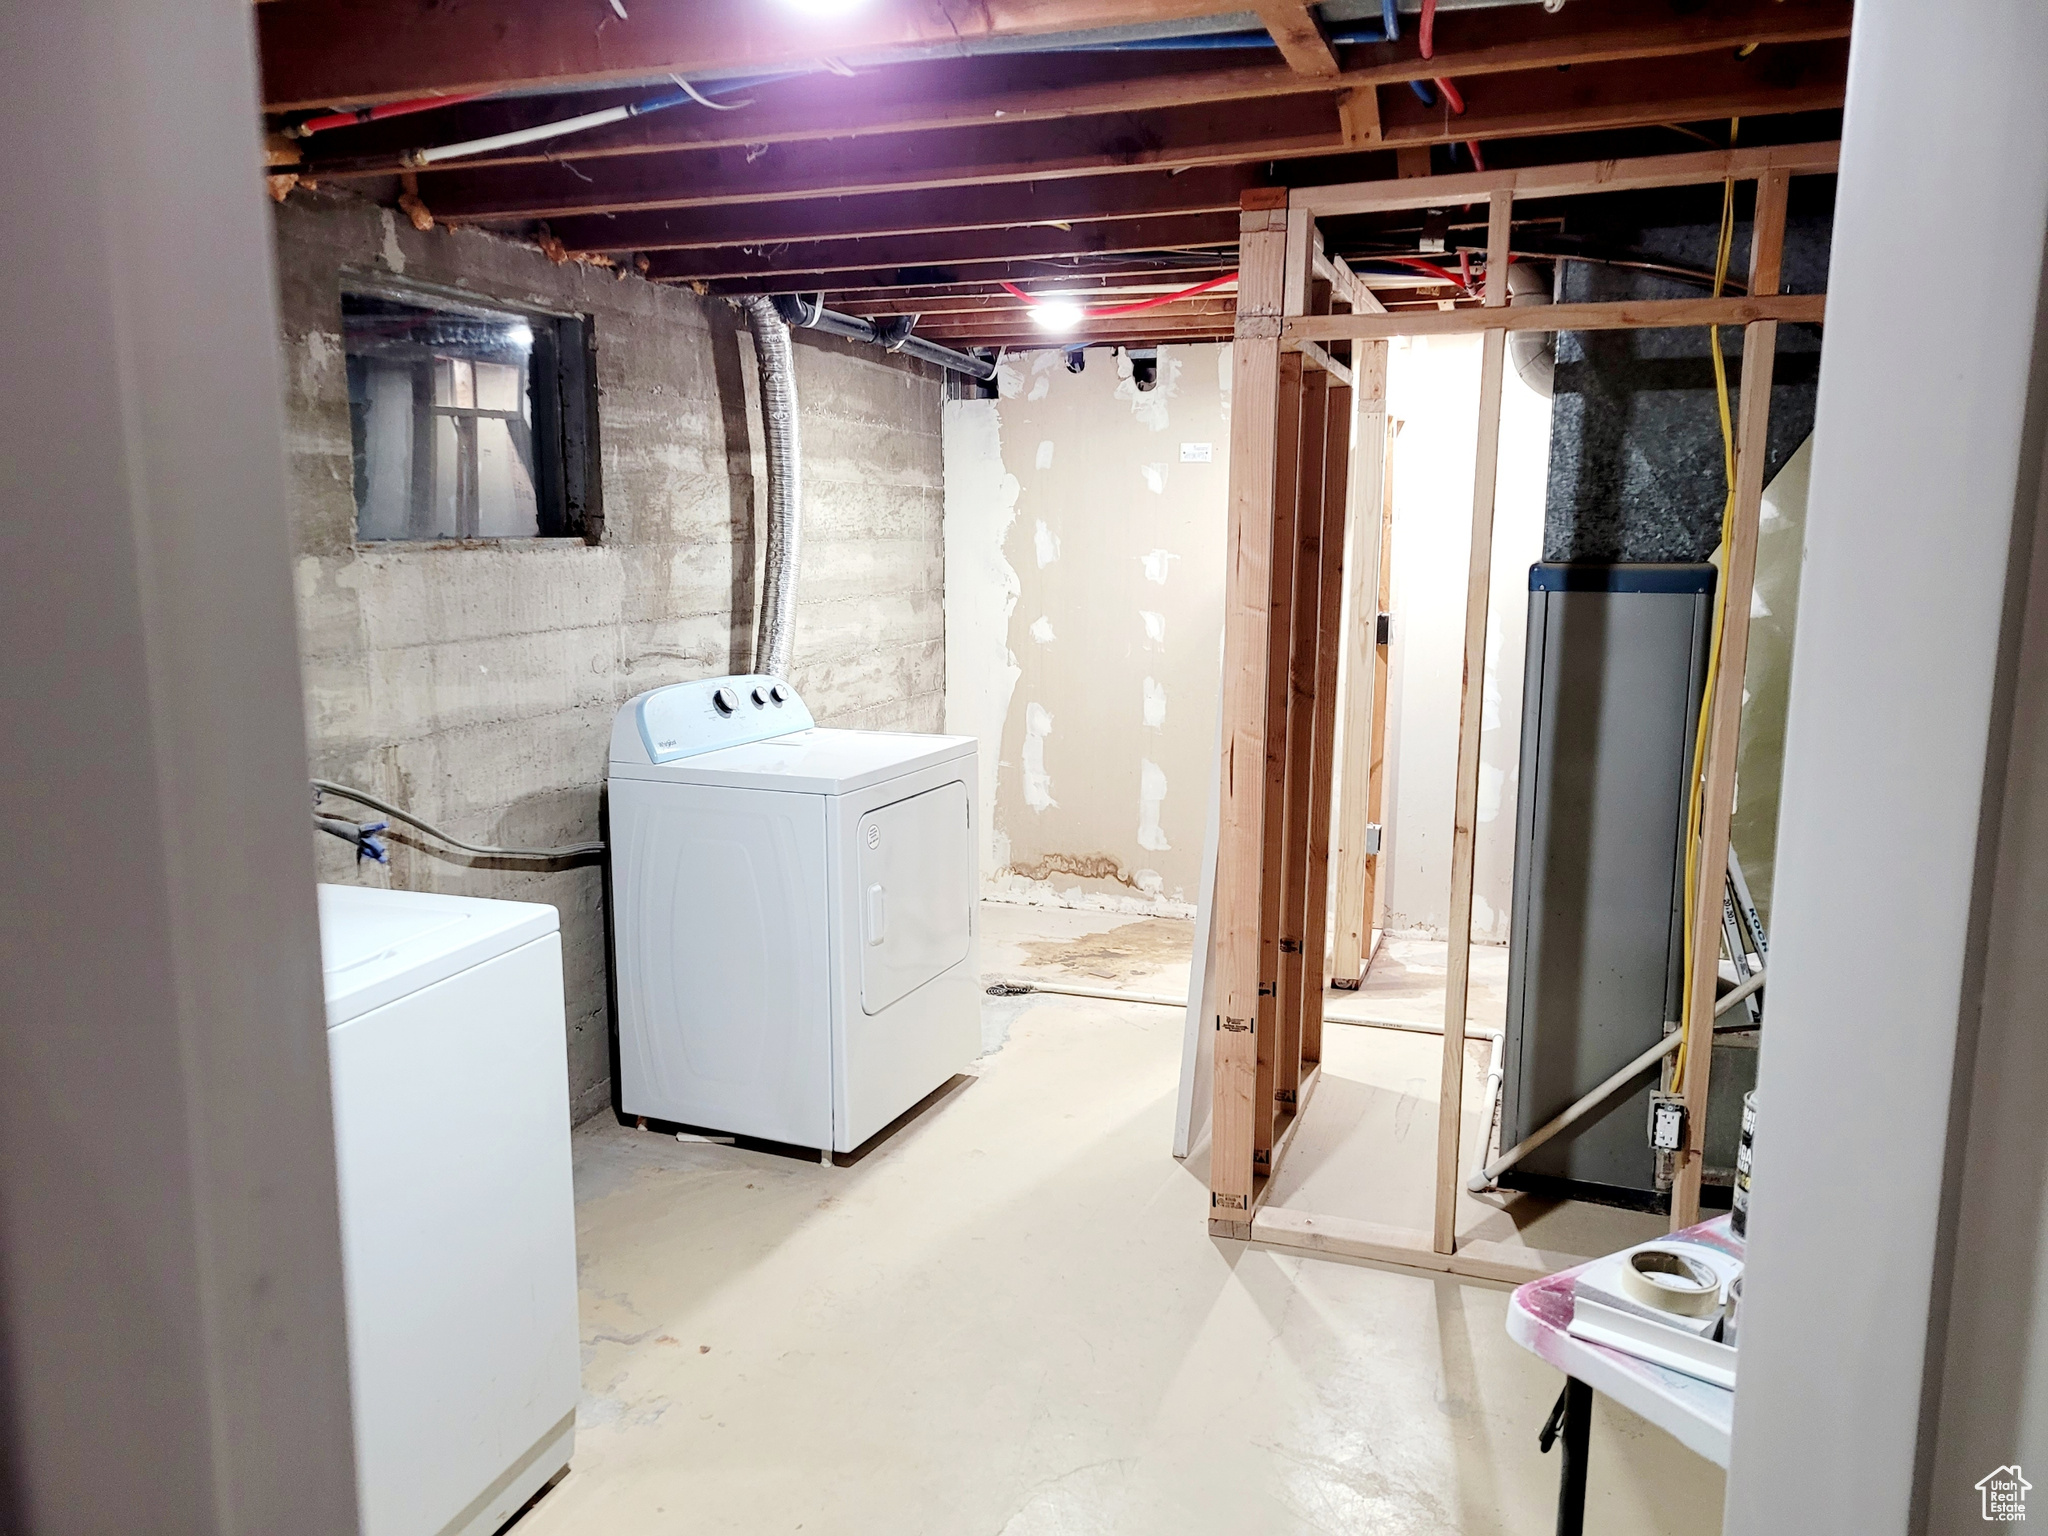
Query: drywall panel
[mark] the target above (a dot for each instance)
(1767, 674)
(1889, 935)
(1433, 390)
(1084, 608)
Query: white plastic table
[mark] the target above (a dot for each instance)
(1697, 1413)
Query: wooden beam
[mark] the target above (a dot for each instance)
(1254, 442)
(1290, 752)
(1316, 357)
(1403, 1247)
(1197, 311)
(1339, 425)
(932, 96)
(1376, 767)
(1286, 566)
(1572, 180)
(1362, 666)
(1136, 332)
(1045, 275)
(1298, 33)
(315, 52)
(320, 53)
(1358, 109)
(1622, 315)
(1162, 232)
(1450, 1124)
(1799, 77)
(1724, 719)
(1227, 133)
(1069, 200)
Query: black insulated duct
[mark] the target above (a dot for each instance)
(892, 334)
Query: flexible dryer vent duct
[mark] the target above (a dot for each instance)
(785, 486)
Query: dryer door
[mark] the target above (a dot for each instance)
(915, 902)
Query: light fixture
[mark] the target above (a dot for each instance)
(1056, 314)
(824, 7)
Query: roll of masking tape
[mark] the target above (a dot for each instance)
(1671, 1282)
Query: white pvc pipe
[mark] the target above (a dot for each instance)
(1485, 1177)
(1737, 994)
(520, 136)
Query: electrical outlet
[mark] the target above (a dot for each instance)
(1667, 1121)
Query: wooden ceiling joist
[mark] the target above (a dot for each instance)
(1797, 77)
(1216, 134)
(1230, 133)
(1029, 340)
(316, 52)
(992, 296)
(955, 93)
(1074, 200)
(320, 53)
(950, 247)
(1042, 275)
(1299, 35)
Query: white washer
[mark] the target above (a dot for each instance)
(458, 1223)
(793, 910)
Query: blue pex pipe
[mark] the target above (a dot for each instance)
(1207, 40)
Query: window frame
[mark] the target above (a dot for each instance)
(563, 397)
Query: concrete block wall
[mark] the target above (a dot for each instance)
(476, 683)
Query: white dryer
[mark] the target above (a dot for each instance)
(793, 913)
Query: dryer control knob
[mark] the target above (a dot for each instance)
(760, 698)
(725, 700)
(778, 693)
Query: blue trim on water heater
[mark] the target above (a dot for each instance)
(1584, 576)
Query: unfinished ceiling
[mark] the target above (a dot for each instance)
(930, 156)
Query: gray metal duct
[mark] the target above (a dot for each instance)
(893, 334)
(1534, 353)
(777, 626)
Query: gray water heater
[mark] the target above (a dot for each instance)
(1617, 658)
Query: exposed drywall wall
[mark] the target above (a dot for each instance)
(1084, 607)
(1433, 389)
(1767, 675)
(477, 684)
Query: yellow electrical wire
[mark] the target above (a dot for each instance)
(1695, 798)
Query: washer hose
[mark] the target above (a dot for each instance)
(329, 787)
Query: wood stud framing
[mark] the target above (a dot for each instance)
(1450, 1122)
(1296, 449)
(1364, 707)
(1759, 351)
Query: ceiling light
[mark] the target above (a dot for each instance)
(1056, 314)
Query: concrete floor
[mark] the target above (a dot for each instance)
(1009, 1318)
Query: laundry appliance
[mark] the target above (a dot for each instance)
(450, 1084)
(793, 914)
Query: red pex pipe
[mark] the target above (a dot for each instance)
(1427, 35)
(327, 120)
(1440, 273)
(1452, 99)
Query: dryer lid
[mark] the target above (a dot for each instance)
(377, 946)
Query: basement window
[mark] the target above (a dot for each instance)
(469, 423)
